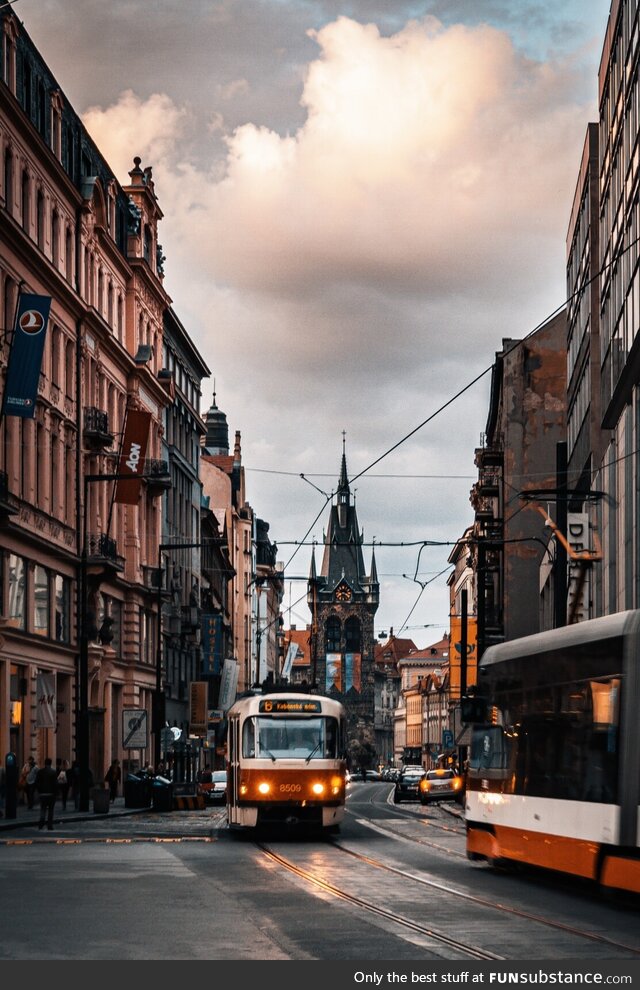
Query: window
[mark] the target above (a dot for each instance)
(17, 589)
(68, 254)
(352, 635)
(62, 598)
(40, 601)
(55, 238)
(40, 220)
(25, 201)
(333, 635)
(69, 371)
(8, 179)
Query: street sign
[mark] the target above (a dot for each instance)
(134, 728)
(447, 739)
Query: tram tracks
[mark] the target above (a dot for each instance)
(438, 937)
(441, 889)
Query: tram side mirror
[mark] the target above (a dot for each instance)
(473, 709)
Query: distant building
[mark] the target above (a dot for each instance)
(343, 599)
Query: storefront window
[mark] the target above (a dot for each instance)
(62, 596)
(17, 597)
(40, 601)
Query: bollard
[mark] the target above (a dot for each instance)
(11, 785)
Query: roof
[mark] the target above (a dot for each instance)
(302, 638)
(393, 650)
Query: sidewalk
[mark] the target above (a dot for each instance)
(26, 818)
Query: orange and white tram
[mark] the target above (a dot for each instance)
(554, 771)
(286, 761)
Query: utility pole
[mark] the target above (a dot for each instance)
(560, 566)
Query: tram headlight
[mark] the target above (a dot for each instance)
(243, 788)
(317, 788)
(264, 787)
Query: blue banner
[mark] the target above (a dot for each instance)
(211, 643)
(25, 358)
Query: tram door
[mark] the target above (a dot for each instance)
(233, 772)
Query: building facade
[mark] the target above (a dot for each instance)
(71, 232)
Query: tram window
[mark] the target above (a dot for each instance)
(249, 738)
(292, 738)
(489, 749)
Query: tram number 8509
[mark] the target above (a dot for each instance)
(291, 788)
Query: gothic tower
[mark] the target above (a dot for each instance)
(343, 600)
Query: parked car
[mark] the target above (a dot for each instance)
(441, 785)
(373, 775)
(215, 790)
(407, 784)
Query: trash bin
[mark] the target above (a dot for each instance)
(100, 797)
(137, 792)
(162, 795)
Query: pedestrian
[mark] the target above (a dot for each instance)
(29, 773)
(62, 768)
(46, 785)
(112, 778)
(73, 779)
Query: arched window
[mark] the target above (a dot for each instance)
(40, 220)
(333, 635)
(55, 238)
(352, 635)
(8, 179)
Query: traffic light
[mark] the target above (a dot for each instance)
(473, 709)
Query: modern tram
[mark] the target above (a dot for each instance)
(554, 771)
(286, 761)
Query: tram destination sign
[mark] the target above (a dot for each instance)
(270, 706)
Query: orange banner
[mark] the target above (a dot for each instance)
(133, 456)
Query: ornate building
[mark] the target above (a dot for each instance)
(343, 600)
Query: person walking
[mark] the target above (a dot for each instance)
(29, 773)
(62, 770)
(46, 785)
(112, 778)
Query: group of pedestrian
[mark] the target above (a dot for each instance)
(63, 780)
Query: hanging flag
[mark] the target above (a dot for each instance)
(46, 701)
(25, 358)
(132, 456)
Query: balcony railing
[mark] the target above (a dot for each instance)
(96, 428)
(156, 476)
(103, 550)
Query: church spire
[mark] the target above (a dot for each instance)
(373, 576)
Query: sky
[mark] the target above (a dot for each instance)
(361, 200)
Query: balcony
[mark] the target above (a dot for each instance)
(96, 429)
(7, 504)
(156, 476)
(102, 555)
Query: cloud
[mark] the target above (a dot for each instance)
(355, 271)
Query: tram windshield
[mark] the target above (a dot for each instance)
(290, 738)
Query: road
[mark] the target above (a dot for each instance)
(395, 884)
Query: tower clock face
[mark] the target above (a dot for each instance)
(343, 593)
